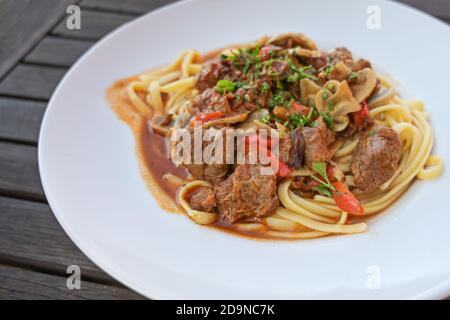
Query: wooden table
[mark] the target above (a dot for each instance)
(36, 49)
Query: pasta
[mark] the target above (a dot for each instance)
(356, 108)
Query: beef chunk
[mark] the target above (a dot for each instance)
(344, 55)
(210, 101)
(318, 140)
(338, 54)
(215, 71)
(298, 149)
(285, 149)
(208, 170)
(203, 199)
(375, 158)
(247, 195)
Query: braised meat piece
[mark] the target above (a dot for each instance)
(215, 71)
(203, 199)
(247, 194)
(208, 169)
(285, 149)
(210, 101)
(298, 149)
(375, 158)
(344, 55)
(318, 140)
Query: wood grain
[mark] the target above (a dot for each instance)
(58, 51)
(19, 175)
(31, 235)
(130, 6)
(30, 81)
(94, 25)
(23, 24)
(20, 119)
(437, 8)
(16, 283)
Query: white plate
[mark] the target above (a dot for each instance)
(91, 178)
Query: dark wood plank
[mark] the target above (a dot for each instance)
(19, 175)
(438, 8)
(58, 51)
(94, 25)
(20, 120)
(23, 24)
(30, 235)
(23, 284)
(129, 6)
(30, 81)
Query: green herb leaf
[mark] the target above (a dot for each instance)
(324, 190)
(353, 75)
(265, 87)
(265, 118)
(320, 168)
(330, 105)
(301, 71)
(225, 86)
(329, 69)
(372, 133)
(328, 119)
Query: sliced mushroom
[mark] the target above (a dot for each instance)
(364, 85)
(308, 90)
(340, 123)
(305, 53)
(336, 98)
(290, 40)
(254, 116)
(228, 119)
(380, 98)
(340, 72)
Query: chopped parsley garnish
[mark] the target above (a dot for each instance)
(328, 119)
(325, 95)
(330, 105)
(328, 70)
(302, 74)
(265, 118)
(372, 133)
(353, 75)
(223, 86)
(297, 120)
(278, 99)
(265, 87)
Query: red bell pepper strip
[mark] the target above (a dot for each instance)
(282, 169)
(204, 117)
(345, 200)
(300, 108)
(264, 52)
(363, 113)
